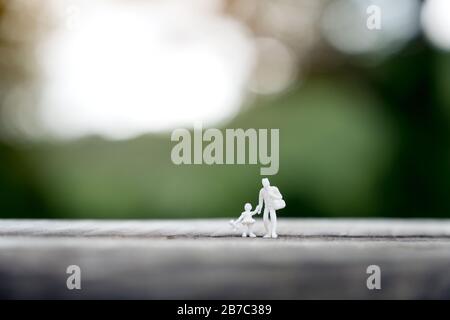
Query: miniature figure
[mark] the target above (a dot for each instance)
(273, 200)
(246, 220)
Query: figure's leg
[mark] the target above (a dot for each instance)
(266, 223)
(250, 232)
(273, 221)
(244, 234)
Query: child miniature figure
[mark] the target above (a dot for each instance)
(247, 221)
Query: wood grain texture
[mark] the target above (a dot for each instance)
(221, 228)
(205, 259)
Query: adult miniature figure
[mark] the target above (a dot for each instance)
(272, 199)
(247, 221)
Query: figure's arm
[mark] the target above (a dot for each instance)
(255, 211)
(239, 219)
(260, 203)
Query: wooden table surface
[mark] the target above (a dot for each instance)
(206, 259)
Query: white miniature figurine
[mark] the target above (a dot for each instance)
(273, 200)
(247, 221)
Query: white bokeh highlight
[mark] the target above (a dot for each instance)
(344, 25)
(118, 70)
(435, 18)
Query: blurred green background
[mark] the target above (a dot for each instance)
(361, 135)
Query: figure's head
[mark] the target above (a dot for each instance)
(265, 182)
(248, 207)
